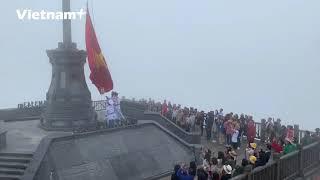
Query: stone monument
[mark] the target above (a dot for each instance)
(68, 100)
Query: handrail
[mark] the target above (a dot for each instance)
(288, 166)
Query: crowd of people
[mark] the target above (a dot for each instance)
(226, 128)
(222, 166)
(229, 129)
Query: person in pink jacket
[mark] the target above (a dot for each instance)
(290, 133)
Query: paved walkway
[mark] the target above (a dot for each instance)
(23, 136)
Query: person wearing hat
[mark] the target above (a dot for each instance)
(250, 150)
(289, 147)
(226, 172)
(252, 160)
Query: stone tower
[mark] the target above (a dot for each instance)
(69, 104)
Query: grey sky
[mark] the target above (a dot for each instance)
(245, 56)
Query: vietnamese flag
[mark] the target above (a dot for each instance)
(100, 74)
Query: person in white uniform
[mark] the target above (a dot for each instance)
(116, 103)
(110, 113)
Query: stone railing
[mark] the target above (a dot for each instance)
(31, 105)
(192, 138)
(296, 164)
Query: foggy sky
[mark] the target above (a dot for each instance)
(260, 58)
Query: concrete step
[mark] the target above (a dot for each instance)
(16, 165)
(29, 118)
(14, 159)
(9, 177)
(9, 154)
(11, 171)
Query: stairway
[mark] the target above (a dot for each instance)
(13, 165)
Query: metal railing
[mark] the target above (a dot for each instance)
(289, 166)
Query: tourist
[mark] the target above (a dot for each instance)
(317, 135)
(164, 108)
(209, 122)
(250, 150)
(268, 152)
(241, 130)
(193, 168)
(252, 161)
(228, 130)
(251, 130)
(232, 158)
(215, 176)
(174, 175)
(192, 120)
(290, 133)
(262, 159)
(201, 119)
(215, 126)
(240, 169)
(307, 139)
(221, 159)
(226, 172)
(277, 128)
(207, 158)
(202, 174)
(214, 166)
(221, 131)
(283, 133)
(183, 173)
(179, 117)
(289, 147)
(276, 146)
(174, 113)
(269, 130)
(221, 113)
(169, 110)
(234, 138)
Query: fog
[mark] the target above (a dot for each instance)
(260, 58)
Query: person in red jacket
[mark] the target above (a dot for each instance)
(164, 109)
(251, 130)
(276, 146)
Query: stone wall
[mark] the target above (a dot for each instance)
(191, 138)
(20, 114)
(139, 152)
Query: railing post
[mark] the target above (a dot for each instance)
(318, 147)
(300, 156)
(296, 132)
(276, 158)
(250, 176)
(263, 130)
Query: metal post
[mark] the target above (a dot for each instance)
(276, 158)
(67, 39)
(296, 133)
(300, 156)
(263, 130)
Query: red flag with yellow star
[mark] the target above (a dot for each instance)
(100, 74)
